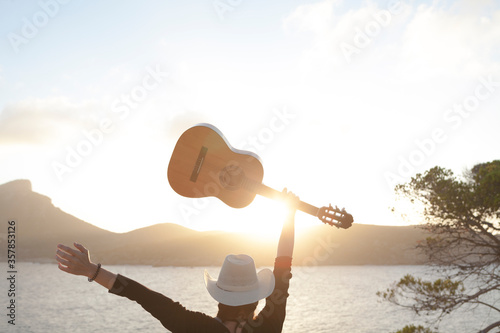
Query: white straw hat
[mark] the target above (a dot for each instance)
(239, 283)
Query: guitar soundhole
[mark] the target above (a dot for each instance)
(232, 177)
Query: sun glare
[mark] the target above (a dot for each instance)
(265, 219)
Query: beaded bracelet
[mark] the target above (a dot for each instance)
(96, 272)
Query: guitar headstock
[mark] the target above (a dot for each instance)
(335, 217)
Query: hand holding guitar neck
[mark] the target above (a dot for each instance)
(204, 164)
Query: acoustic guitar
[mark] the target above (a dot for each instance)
(204, 164)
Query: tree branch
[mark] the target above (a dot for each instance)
(489, 328)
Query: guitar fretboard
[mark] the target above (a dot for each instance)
(264, 190)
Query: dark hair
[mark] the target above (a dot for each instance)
(238, 313)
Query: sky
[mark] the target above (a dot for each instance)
(341, 100)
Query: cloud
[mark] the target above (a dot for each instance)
(454, 42)
(407, 71)
(312, 17)
(419, 41)
(400, 63)
(39, 121)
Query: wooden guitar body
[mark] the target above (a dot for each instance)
(204, 164)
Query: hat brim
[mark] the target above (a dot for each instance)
(265, 287)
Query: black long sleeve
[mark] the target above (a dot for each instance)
(172, 315)
(178, 319)
(272, 316)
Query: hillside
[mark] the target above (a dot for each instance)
(40, 226)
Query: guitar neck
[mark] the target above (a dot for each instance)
(271, 193)
(328, 215)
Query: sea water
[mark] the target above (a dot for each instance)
(340, 299)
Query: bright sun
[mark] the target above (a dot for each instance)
(263, 218)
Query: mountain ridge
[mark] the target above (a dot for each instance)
(41, 226)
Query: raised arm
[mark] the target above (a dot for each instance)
(78, 262)
(287, 238)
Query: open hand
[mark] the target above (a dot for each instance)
(75, 262)
(291, 199)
